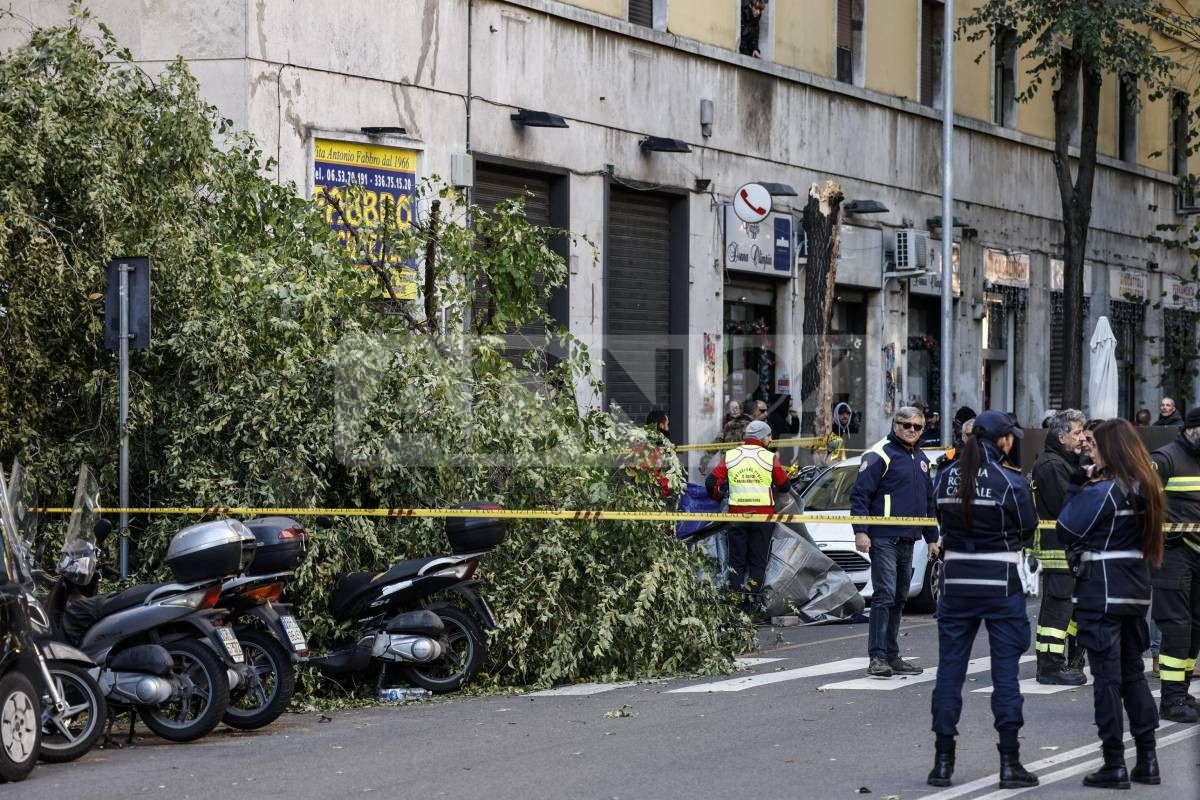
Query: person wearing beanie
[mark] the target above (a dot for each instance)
(985, 512)
(893, 480)
(1176, 601)
(749, 475)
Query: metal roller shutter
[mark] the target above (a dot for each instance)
(491, 188)
(638, 307)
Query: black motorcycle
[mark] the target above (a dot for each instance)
(271, 638)
(408, 617)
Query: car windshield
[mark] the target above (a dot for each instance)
(831, 491)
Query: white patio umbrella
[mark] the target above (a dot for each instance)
(1102, 387)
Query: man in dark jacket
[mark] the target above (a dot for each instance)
(893, 480)
(1176, 584)
(1168, 414)
(1050, 479)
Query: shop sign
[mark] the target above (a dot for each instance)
(1180, 294)
(1126, 285)
(1002, 268)
(761, 247)
(1058, 266)
(374, 185)
(931, 282)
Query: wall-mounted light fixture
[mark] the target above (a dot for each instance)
(864, 207)
(661, 144)
(778, 189)
(702, 184)
(384, 130)
(936, 222)
(707, 112)
(537, 119)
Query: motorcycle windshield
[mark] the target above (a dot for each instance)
(79, 547)
(18, 568)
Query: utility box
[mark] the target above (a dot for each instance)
(462, 170)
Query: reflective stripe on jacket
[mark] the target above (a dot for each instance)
(981, 559)
(1102, 523)
(1178, 465)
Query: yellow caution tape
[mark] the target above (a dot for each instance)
(808, 441)
(582, 515)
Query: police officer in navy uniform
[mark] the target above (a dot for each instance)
(1112, 527)
(893, 481)
(985, 511)
(1175, 604)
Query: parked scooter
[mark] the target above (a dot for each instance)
(271, 638)
(404, 615)
(164, 651)
(73, 707)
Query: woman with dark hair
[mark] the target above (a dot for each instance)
(985, 511)
(1112, 526)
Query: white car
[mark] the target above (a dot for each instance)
(829, 496)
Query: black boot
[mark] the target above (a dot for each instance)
(943, 762)
(1146, 768)
(1112, 775)
(1012, 774)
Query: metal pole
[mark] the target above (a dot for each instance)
(123, 271)
(947, 342)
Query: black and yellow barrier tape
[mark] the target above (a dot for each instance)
(580, 515)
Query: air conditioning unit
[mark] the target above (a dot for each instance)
(910, 254)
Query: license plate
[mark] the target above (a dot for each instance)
(489, 619)
(232, 645)
(294, 634)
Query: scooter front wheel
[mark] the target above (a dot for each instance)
(266, 696)
(203, 695)
(463, 657)
(19, 729)
(68, 737)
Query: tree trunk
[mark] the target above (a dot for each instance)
(1076, 199)
(822, 223)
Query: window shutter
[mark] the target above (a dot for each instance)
(641, 12)
(931, 50)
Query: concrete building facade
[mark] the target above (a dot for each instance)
(687, 306)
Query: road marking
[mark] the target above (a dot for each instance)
(1086, 766)
(1052, 761)
(1031, 686)
(763, 679)
(746, 662)
(848, 637)
(892, 684)
(581, 689)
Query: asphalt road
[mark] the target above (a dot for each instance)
(807, 725)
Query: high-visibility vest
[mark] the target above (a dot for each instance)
(750, 469)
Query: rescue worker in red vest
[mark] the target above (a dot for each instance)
(1176, 601)
(749, 475)
(1059, 660)
(1112, 528)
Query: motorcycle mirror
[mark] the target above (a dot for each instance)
(102, 529)
(324, 521)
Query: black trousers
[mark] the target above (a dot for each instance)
(1176, 611)
(749, 549)
(1055, 639)
(1115, 646)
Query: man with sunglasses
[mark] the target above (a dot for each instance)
(893, 481)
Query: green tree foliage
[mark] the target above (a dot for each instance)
(278, 377)
(1075, 45)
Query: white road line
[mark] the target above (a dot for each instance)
(1052, 761)
(751, 681)
(1031, 686)
(581, 689)
(746, 662)
(900, 682)
(1087, 766)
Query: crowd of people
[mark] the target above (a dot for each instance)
(1109, 568)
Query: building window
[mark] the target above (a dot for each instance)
(756, 37)
(648, 13)
(1185, 195)
(931, 52)
(1180, 356)
(1058, 346)
(1127, 119)
(1004, 78)
(850, 52)
(1128, 324)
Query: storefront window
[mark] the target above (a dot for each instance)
(1127, 321)
(1180, 355)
